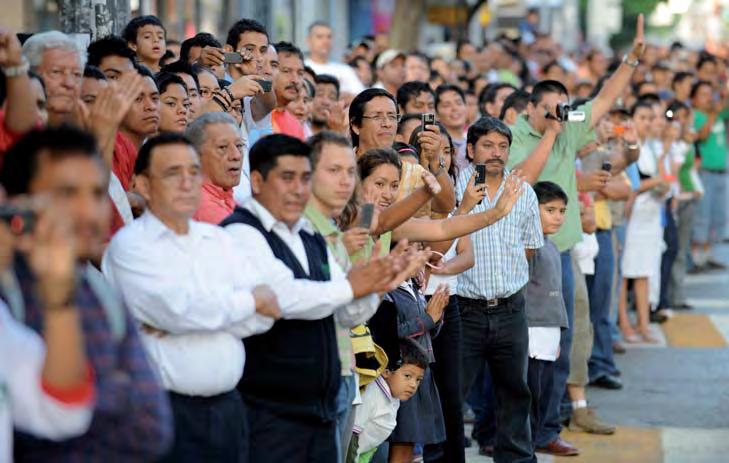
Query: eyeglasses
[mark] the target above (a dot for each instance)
(381, 118)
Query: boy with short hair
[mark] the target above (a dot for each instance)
(377, 415)
(147, 37)
(546, 312)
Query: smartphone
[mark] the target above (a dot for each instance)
(366, 214)
(231, 57)
(20, 221)
(265, 85)
(480, 174)
(607, 166)
(427, 119)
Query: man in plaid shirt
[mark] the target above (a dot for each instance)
(132, 420)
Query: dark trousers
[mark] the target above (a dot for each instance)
(499, 336)
(599, 289)
(482, 401)
(552, 420)
(208, 429)
(447, 374)
(275, 439)
(670, 236)
(541, 385)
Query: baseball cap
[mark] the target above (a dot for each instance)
(388, 56)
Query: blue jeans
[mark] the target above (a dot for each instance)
(619, 232)
(711, 214)
(599, 289)
(670, 236)
(552, 419)
(347, 392)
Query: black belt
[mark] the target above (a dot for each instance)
(496, 302)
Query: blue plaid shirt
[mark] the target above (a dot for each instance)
(501, 267)
(132, 419)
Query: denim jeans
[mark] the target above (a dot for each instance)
(541, 385)
(619, 232)
(552, 419)
(499, 336)
(345, 397)
(447, 374)
(711, 214)
(676, 291)
(599, 289)
(670, 236)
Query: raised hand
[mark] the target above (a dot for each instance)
(355, 239)
(513, 189)
(430, 143)
(338, 120)
(246, 86)
(639, 41)
(431, 183)
(11, 53)
(473, 194)
(211, 57)
(438, 302)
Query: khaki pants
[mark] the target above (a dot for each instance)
(582, 337)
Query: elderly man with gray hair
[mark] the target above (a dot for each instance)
(217, 139)
(60, 62)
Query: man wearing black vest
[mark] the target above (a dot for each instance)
(293, 371)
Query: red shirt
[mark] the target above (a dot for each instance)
(286, 123)
(7, 137)
(215, 205)
(125, 155)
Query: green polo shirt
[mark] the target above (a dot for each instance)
(560, 167)
(333, 236)
(713, 150)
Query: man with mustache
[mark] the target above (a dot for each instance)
(287, 84)
(491, 294)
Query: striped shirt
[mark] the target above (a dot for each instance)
(501, 267)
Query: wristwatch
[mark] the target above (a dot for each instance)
(441, 167)
(19, 70)
(634, 146)
(631, 63)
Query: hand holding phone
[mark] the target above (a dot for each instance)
(480, 174)
(366, 214)
(231, 57)
(427, 119)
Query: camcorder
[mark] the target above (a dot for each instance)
(564, 113)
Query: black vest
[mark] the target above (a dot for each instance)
(293, 369)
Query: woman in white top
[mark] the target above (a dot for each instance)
(644, 233)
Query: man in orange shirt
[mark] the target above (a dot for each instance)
(286, 84)
(217, 140)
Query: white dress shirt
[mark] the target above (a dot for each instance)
(23, 402)
(299, 298)
(348, 80)
(193, 288)
(376, 418)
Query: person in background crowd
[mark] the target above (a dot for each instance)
(390, 68)
(188, 74)
(131, 415)
(60, 63)
(492, 97)
(191, 50)
(173, 49)
(319, 41)
(407, 125)
(514, 106)
(287, 84)
(450, 104)
(681, 86)
(417, 67)
(709, 120)
(208, 82)
(174, 102)
(326, 110)
(363, 69)
(216, 138)
(301, 107)
(112, 56)
(146, 36)
(415, 98)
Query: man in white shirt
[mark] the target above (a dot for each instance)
(291, 381)
(319, 42)
(194, 299)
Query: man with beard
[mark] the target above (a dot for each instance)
(326, 109)
(491, 294)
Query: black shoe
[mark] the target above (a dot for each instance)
(486, 450)
(607, 382)
(683, 306)
(715, 265)
(658, 317)
(697, 269)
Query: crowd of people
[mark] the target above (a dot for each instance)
(221, 250)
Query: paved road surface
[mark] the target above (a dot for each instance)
(674, 407)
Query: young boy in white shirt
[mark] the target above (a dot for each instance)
(377, 415)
